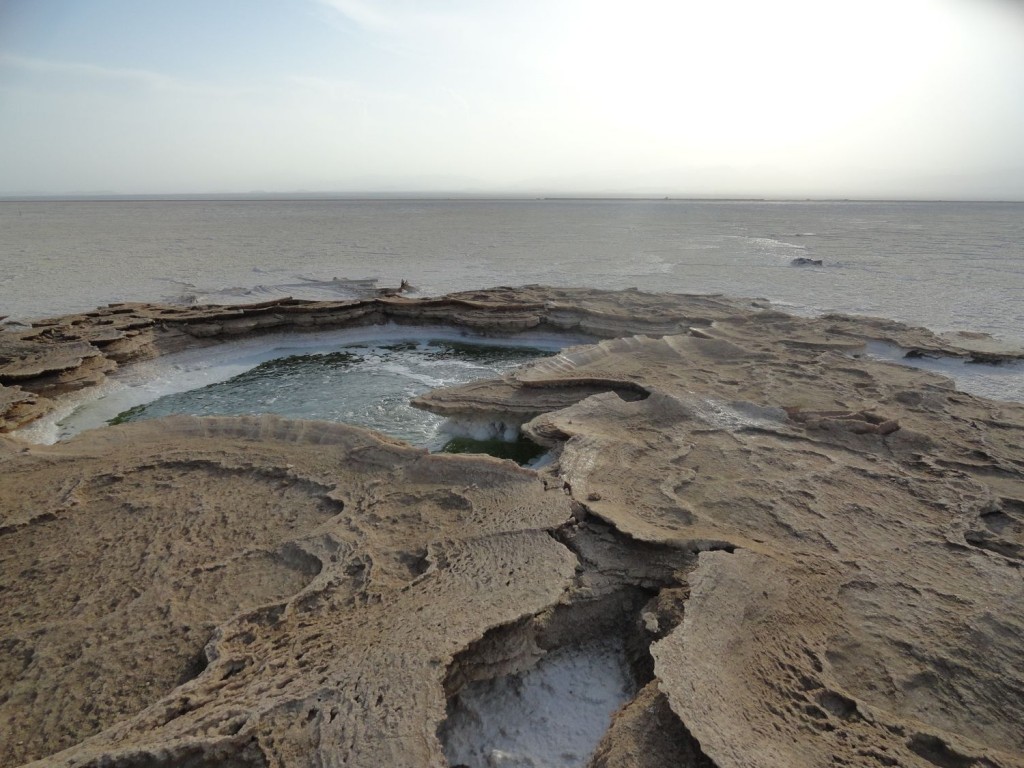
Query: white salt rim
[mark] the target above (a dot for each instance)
(146, 381)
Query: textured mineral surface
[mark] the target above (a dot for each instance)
(812, 558)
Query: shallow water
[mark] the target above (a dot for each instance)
(364, 376)
(1001, 381)
(370, 386)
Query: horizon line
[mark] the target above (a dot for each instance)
(399, 196)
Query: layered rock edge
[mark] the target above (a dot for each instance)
(814, 558)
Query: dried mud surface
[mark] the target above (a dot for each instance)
(814, 558)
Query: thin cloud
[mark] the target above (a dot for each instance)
(363, 14)
(409, 21)
(142, 77)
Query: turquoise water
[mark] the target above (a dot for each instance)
(364, 376)
(365, 384)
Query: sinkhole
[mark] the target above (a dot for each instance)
(365, 377)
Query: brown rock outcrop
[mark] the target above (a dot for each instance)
(814, 558)
(64, 354)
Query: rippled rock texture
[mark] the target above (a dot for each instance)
(252, 591)
(812, 558)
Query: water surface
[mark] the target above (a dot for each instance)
(943, 265)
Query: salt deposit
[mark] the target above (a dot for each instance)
(551, 716)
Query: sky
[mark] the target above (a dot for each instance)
(741, 98)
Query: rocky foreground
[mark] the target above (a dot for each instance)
(814, 558)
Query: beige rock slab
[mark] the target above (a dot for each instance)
(860, 530)
(902, 550)
(753, 672)
(330, 574)
(647, 734)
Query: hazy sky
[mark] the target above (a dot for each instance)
(919, 98)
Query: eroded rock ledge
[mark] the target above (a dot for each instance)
(815, 559)
(61, 355)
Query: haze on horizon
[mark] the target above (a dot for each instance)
(791, 98)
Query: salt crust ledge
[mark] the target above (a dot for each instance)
(816, 560)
